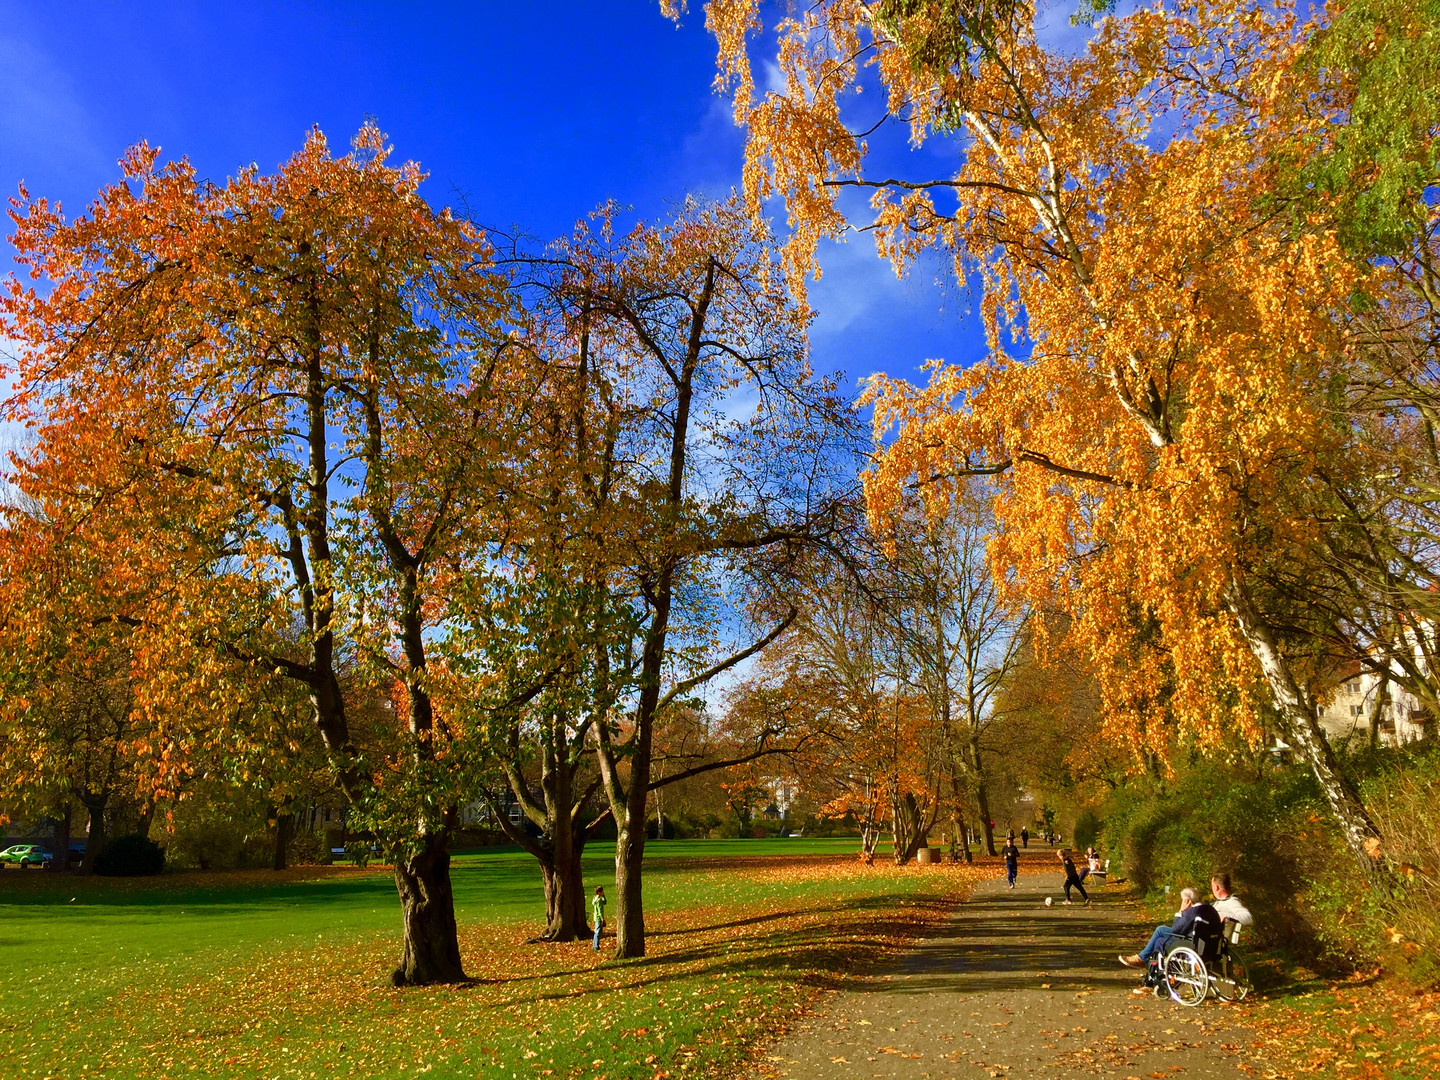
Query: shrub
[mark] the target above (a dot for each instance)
(207, 840)
(130, 856)
(1405, 925)
(1262, 825)
(1271, 830)
(1087, 830)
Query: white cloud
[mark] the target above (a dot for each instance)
(708, 162)
(869, 320)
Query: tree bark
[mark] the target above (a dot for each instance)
(284, 830)
(909, 829)
(431, 944)
(95, 828)
(1302, 730)
(630, 910)
(869, 841)
(1382, 702)
(982, 798)
(964, 836)
(565, 914)
(61, 861)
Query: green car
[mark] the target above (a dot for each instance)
(25, 855)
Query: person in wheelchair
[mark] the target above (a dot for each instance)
(1195, 920)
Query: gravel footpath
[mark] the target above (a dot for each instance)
(1014, 989)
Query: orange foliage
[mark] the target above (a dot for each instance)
(1155, 405)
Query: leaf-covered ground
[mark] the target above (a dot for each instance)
(244, 975)
(1370, 1026)
(1364, 1028)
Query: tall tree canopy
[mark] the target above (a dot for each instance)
(275, 409)
(1158, 401)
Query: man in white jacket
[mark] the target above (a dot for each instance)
(1227, 905)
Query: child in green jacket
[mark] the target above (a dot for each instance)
(597, 907)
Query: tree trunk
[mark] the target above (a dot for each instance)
(982, 798)
(1303, 732)
(61, 862)
(869, 839)
(565, 915)
(432, 945)
(963, 830)
(909, 829)
(284, 830)
(95, 828)
(1382, 702)
(146, 819)
(630, 911)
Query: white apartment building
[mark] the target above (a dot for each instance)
(1351, 709)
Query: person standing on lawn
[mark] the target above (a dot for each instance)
(1072, 877)
(1012, 860)
(597, 908)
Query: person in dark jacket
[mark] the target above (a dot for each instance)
(1024, 837)
(1012, 860)
(1193, 917)
(1072, 878)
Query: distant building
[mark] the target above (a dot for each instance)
(1352, 709)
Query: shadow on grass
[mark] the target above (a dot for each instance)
(821, 954)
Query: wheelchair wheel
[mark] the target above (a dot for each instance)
(1186, 976)
(1229, 980)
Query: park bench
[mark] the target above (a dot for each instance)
(1101, 875)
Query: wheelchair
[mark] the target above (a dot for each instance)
(1192, 967)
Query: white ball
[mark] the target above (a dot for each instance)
(1049, 900)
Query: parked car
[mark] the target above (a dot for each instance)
(26, 855)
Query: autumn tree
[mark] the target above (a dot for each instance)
(725, 467)
(1154, 408)
(877, 754)
(286, 395)
(1047, 733)
(523, 639)
(961, 634)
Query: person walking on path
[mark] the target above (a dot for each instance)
(1012, 860)
(1024, 837)
(1072, 878)
(597, 908)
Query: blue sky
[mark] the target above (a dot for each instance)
(529, 114)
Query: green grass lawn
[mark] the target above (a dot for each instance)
(247, 975)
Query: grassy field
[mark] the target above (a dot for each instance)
(285, 975)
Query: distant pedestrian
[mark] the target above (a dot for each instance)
(1012, 860)
(1072, 878)
(597, 907)
(1024, 837)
